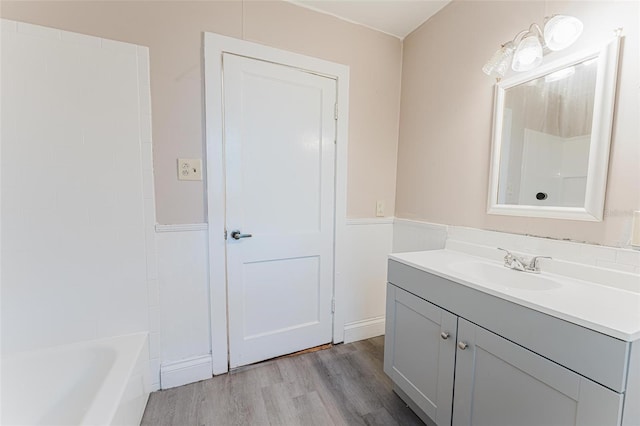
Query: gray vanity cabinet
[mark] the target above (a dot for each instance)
(461, 357)
(419, 352)
(500, 383)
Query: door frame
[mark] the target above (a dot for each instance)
(214, 47)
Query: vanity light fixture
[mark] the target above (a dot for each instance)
(527, 48)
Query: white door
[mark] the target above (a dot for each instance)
(279, 138)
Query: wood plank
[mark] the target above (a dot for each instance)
(342, 385)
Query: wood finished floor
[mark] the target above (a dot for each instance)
(344, 385)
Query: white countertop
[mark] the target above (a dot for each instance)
(608, 310)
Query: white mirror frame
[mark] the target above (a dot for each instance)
(605, 92)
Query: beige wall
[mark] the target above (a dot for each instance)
(445, 115)
(173, 32)
(446, 112)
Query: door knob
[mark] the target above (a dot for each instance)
(444, 335)
(236, 235)
(462, 345)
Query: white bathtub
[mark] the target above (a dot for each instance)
(99, 382)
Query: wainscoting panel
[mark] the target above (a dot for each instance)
(184, 338)
(411, 235)
(369, 242)
(184, 304)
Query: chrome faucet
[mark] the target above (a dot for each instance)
(523, 264)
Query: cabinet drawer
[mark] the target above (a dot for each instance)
(575, 347)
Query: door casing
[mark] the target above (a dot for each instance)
(214, 46)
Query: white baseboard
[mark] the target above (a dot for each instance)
(185, 371)
(366, 329)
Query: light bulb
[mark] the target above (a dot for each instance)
(562, 31)
(493, 61)
(503, 65)
(528, 54)
(499, 62)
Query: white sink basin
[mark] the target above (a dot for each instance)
(603, 308)
(501, 276)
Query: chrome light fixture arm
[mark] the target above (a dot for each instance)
(534, 30)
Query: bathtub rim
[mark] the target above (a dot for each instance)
(131, 352)
(111, 391)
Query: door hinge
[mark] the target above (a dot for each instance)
(333, 306)
(225, 234)
(335, 111)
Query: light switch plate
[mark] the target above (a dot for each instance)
(189, 169)
(380, 208)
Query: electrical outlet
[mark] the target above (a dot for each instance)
(189, 169)
(380, 208)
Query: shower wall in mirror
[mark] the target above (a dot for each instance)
(548, 134)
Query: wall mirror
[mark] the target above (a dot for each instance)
(551, 137)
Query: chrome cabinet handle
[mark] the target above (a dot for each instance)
(444, 335)
(236, 235)
(462, 345)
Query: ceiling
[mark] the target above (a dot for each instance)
(394, 17)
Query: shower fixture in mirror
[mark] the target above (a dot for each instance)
(551, 137)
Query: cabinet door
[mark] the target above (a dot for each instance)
(500, 383)
(418, 357)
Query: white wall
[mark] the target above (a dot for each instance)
(184, 287)
(173, 32)
(411, 235)
(78, 248)
(368, 243)
(416, 236)
(184, 293)
(184, 303)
